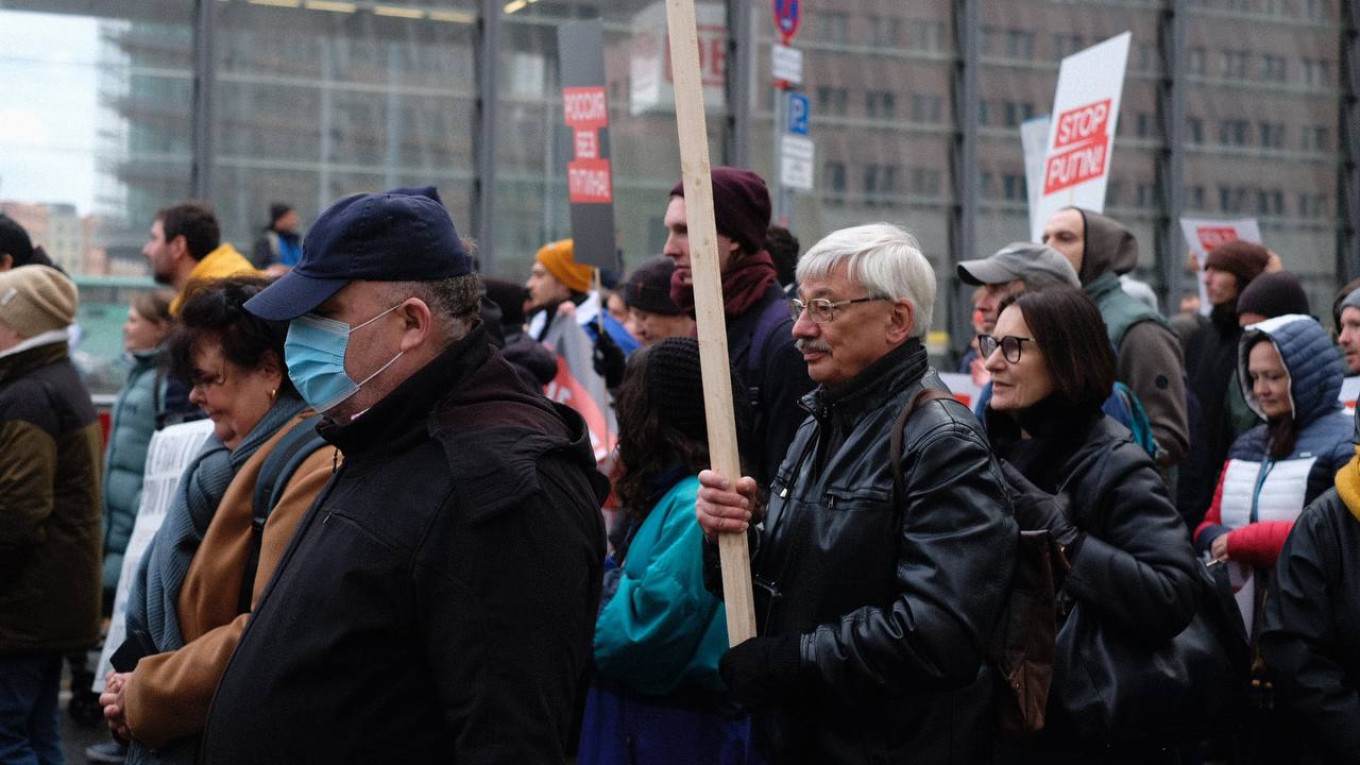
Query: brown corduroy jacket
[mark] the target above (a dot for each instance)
(169, 693)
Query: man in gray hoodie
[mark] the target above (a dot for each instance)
(1150, 360)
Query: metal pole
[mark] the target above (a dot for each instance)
(205, 90)
(741, 73)
(484, 134)
(964, 161)
(1171, 157)
(1348, 166)
(776, 169)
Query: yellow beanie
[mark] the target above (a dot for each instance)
(560, 260)
(37, 299)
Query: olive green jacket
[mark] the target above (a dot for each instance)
(49, 505)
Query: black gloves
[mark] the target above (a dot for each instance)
(1036, 509)
(761, 671)
(608, 359)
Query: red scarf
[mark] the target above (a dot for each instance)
(743, 285)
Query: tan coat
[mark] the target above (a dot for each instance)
(169, 693)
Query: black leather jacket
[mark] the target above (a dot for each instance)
(894, 599)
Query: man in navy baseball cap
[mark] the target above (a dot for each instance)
(462, 531)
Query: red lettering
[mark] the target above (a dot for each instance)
(587, 144)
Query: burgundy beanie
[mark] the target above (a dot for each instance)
(1242, 259)
(1273, 295)
(741, 206)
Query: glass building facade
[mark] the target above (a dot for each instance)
(1231, 108)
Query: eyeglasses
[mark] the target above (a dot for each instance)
(1010, 346)
(821, 310)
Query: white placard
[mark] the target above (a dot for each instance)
(963, 387)
(1203, 234)
(786, 64)
(1080, 145)
(1350, 391)
(1033, 138)
(170, 452)
(651, 89)
(796, 165)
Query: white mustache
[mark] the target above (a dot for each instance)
(806, 345)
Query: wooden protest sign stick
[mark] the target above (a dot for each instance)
(708, 302)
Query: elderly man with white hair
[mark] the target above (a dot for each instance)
(881, 567)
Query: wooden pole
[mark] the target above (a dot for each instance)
(708, 302)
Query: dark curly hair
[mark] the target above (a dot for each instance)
(215, 313)
(650, 445)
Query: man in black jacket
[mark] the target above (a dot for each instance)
(874, 601)
(759, 332)
(437, 603)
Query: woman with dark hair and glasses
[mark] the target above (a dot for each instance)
(1079, 474)
(657, 697)
(207, 565)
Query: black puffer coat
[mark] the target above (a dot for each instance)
(1311, 641)
(894, 601)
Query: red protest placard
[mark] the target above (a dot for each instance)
(1212, 236)
(588, 181)
(1081, 146)
(585, 108)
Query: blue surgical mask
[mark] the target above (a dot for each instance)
(315, 355)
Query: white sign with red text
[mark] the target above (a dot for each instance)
(1080, 143)
(650, 85)
(1203, 235)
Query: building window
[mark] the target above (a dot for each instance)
(885, 32)
(927, 35)
(925, 182)
(1146, 125)
(1236, 64)
(1194, 197)
(1232, 199)
(1019, 45)
(1312, 205)
(987, 184)
(1194, 130)
(987, 40)
(1269, 202)
(833, 27)
(834, 182)
(926, 109)
(984, 113)
(1146, 58)
(1319, 10)
(1065, 45)
(1195, 59)
(832, 101)
(1147, 195)
(880, 105)
(1315, 138)
(1016, 112)
(1273, 68)
(1233, 132)
(1316, 72)
(1272, 135)
(1013, 187)
(1273, 7)
(880, 181)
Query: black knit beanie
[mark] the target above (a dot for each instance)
(510, 297)
(1273, 295)
(675, 387)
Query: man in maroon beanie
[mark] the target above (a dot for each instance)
(760, 343)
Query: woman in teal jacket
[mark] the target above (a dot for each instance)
(134, 421)
(657, 696)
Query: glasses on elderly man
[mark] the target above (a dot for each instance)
(821, 310)
(1010, 346)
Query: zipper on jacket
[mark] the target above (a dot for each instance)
(1266, 464)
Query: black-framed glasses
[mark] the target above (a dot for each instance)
(1010, 346)
(821, 310)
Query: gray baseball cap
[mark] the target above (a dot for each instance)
(1040, 266)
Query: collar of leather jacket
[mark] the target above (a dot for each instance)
(867, 390)
(404, 412)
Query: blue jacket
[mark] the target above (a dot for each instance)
(662, 630)
(134, 422)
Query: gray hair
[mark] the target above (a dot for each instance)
(454, 302)
(882, 257)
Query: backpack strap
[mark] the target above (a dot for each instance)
(922, 396)
(278, 468)
(774, 314)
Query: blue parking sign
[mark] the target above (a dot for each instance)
(798, 113)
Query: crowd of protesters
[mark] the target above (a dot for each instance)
(1140, 544)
